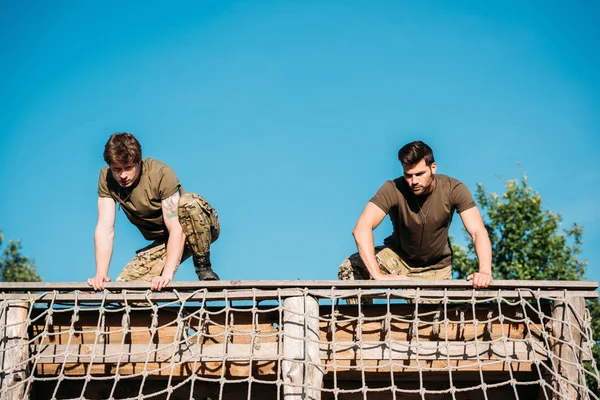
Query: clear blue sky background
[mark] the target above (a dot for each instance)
(287, 116)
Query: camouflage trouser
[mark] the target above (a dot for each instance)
(200, 224)
(353, 268)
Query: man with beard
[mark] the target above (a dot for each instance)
(179, 224)
(420, 205)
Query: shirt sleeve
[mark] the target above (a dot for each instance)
(103, 183)
(386, 197)
(461, 198)
(168, 183)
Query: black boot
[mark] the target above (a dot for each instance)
(203, 268)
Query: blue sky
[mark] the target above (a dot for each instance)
(287, 116)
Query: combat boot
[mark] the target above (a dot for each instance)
(206, 273)
(203, 268)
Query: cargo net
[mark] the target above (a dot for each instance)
(296, 343)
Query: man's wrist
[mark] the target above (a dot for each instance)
(167, 275)
(378, 276)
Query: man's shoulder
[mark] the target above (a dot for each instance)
(106, 182)
(105, 175)
(152, 164)
(397, 183)
(393, 189)
(448, 181)
(154, 167)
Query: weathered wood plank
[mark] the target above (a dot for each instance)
(426, 351)
(214, 370)
(301, 369)
(260, 295)
(343, 370)
(13, 351)
(566, 342)
(156, 353)
(281, 284)
(250, 326)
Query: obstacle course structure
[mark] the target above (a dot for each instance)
(297, 340)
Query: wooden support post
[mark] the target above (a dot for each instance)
(302, 362)
(13, 351)
(567, 326)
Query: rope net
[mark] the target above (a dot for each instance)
(297, 343)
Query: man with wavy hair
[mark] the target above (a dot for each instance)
(420, 205)
(179, 224)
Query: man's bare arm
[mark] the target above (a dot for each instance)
(103, 241)
(175, 242)
(473, 223)
(370, 218)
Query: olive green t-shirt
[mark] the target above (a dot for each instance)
(421, 223)
(142, 202)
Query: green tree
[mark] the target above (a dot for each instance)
(528, 243)
(15, 267)
(526, 239)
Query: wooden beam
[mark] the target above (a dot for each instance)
(154, 353)
(301, 365)
(426, 351)
(567, 343)
(261, 295)
(14, 368)
(381, 351)
(327, 284)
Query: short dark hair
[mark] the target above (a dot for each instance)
(413, 152)
(122, 148)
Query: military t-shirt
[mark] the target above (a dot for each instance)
(142, 202)
(421, 223)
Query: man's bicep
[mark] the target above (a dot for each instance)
(371, 216)
(106, 212)
(472, 220)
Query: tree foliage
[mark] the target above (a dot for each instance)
(14, 267)
(527, 243)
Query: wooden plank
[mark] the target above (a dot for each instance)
(13, 351)
(566, 342)
(348, 369)
(301, 369)
(383, 351)
(248, 326)
(261, 295)
(461, 325)
(154, 353)
(377, 324)
(280, 284)
(344, 369)
(426, 351)
(214, 370)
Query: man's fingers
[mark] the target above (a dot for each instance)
(98, 282)
(480, 280)
(159, 283)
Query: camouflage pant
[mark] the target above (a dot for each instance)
(353, 268)
(200, 224)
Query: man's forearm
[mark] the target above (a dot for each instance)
(366, 250)
(103, 247)
(483, 249)
(175, 245)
